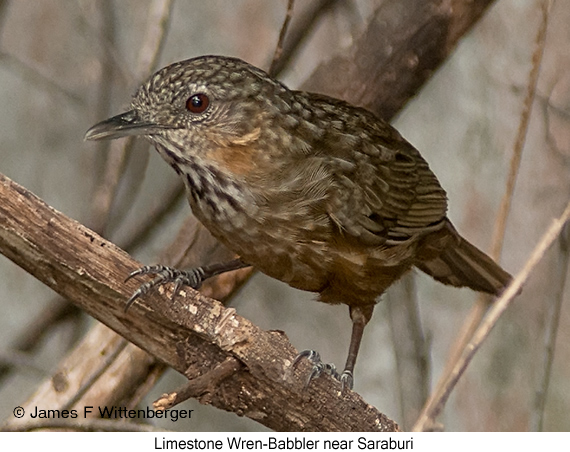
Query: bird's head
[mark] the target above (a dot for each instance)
(212, 99)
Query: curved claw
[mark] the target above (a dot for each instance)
(319, 367)
(164, 275)
(136, 294)
(312, 355)
(346, 380)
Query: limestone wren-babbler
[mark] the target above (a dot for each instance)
(308, 189)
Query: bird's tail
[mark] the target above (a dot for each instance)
(450, 259)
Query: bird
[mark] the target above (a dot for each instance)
(308, 189)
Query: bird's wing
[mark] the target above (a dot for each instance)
(383, 190)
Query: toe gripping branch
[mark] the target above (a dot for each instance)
(192, 278)
(319, 368)
(360, 316)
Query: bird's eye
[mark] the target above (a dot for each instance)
(197, 103)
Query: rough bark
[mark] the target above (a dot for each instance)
(193, 334)
(403, 44)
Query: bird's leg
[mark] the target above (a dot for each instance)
(192, 278)
(360, 317)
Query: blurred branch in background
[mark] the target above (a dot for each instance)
(554, 308)
(439, 399)
(149, 53)
(485, 301)
(411, 349)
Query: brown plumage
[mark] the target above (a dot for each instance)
(308, 189)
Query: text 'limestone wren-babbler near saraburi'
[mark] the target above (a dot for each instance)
(308, 189)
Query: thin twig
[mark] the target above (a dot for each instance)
(483, 301)
(105, 41)
(435, 405)
(504, 209)
(550, 333)
(299, 30)
(55, 312)
(36, 76)
(103, 366)
(155, 36)
(410, 349)
(108, 72)
(282, 34)
(159, 16)
(200, 386)
(29, 338)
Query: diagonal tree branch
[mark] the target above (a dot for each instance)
(404, 43)
(192, 335)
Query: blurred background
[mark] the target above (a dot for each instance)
(66, 65)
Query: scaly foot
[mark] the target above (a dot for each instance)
(319, 368)
(192, 278)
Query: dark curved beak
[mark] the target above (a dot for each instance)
(123, 125)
